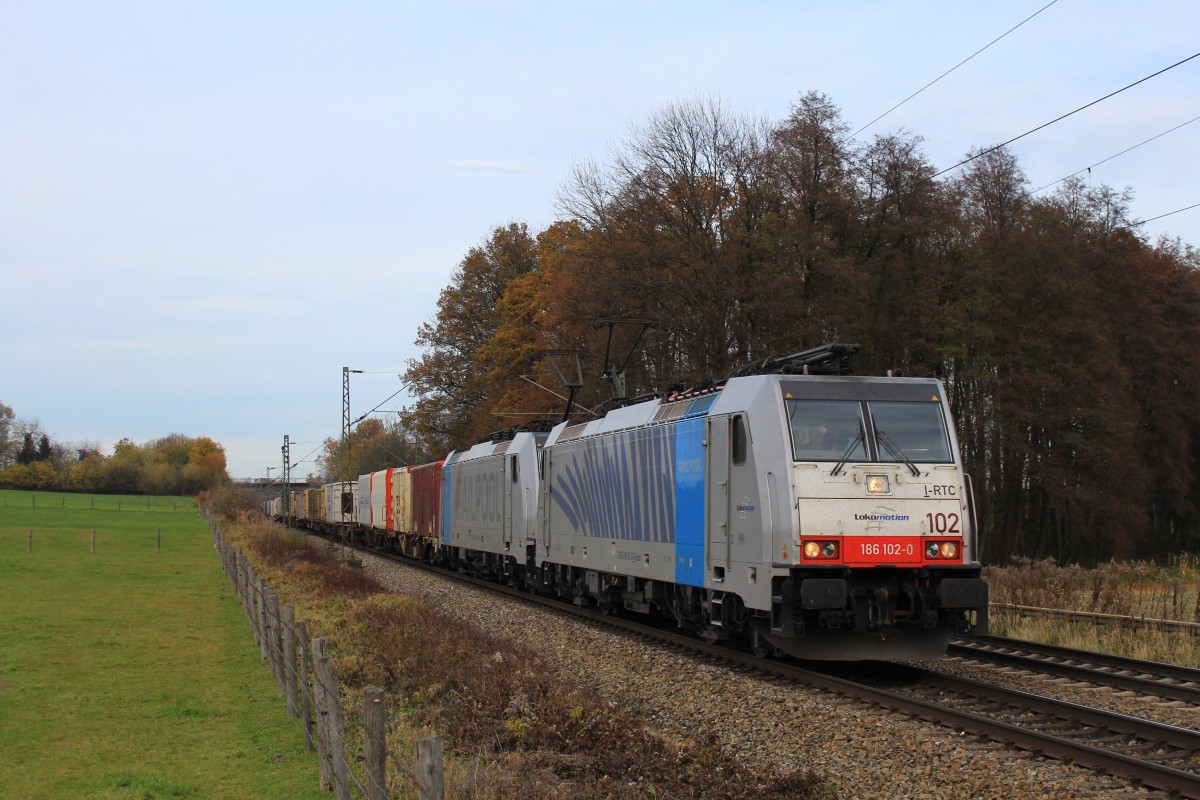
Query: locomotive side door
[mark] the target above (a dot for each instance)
(717, 497)
(509, 486)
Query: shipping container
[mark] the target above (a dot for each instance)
(426, 498)
(402, 500)
(379, 501)
(339, 501)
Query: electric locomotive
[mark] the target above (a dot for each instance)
(826, 516)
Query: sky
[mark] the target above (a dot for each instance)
(208, 209)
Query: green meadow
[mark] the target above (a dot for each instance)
(130, 672)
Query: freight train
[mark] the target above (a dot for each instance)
(790, 507)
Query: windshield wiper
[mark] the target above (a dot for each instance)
(883, 438)
(837, 468)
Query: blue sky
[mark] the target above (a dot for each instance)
(208, 209)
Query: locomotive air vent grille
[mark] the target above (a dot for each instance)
(662, 413)
(572, 432)
(679, 409)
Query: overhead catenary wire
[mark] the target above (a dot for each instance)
(306, 455)
(376, 408)
(1160, 216)
(1110, 158)
(983, 153)
(947, 72)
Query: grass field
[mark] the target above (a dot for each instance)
(131, 673)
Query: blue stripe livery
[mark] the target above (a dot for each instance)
(689, 502)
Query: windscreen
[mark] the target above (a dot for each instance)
(827, 430)
(835, 430)
(916, 430)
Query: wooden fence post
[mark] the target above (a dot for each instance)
(429, 768)
(248, 595)
(261, 611)
(158, 540)
(337, 734)
(318, 652)
(289, 660)
(250, 607)
(241, 584)
(305, 707)
(93, 540)
(270, 632)
(375, 740)
(274, 656)
(31, 540)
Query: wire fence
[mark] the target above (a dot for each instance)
(56, 536)
(68, 501)
(305, 676)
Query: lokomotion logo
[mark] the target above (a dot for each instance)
(882, 517)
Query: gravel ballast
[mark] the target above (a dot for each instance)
(771, 725)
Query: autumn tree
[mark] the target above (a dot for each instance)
(812, 168)
(675, 226)
(447, 379)
(370, 446)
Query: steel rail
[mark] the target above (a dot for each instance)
(1144, 729)
(1144, 677)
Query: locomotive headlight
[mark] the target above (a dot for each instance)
(820, 550)
(932, 549)
(878, 484)
(949, 549)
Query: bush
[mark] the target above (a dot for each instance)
(228, 501)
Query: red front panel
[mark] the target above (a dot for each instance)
(882, 550)
(426, 497)
(888, 551)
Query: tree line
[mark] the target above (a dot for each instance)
(172, 465)
(1066, 340)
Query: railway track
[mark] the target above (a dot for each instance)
(1162, 756)
(1151, 754)
(1166, 681)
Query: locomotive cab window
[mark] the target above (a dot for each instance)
(916, 431)
(881, 431)
(739, 440)
(827, 430)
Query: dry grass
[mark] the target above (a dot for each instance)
(1127, 589)
(515, 727)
